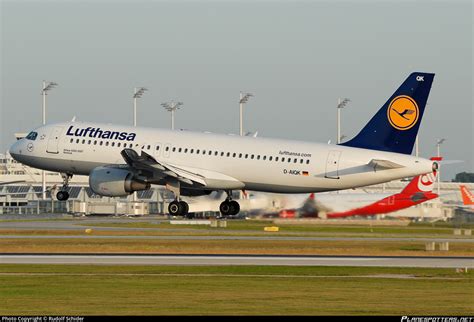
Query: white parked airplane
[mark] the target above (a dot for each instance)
(122, 159)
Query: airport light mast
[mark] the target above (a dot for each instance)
(138, 92)
(438, 144)
(340, 105)
(47, 86)
(417, 150)
(243, 100)
(172, 107)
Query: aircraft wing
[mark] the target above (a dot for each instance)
(379, 164)
(159, 169)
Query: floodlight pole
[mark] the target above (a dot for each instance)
(438, 144)
(340, 105)
(46, 87)
(172, 107)
(243, 100)
(137, 93)
(417, 150)
(135, 107)
(172, 119)
(241, 104)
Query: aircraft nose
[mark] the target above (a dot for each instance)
(15, 150)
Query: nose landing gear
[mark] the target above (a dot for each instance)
(63, 194)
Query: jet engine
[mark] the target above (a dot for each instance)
(114, 182)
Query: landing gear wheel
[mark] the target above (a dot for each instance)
(185, 208)
(178, 208)
(62, 195)
(225, 208)
(234, 207)
(175, 209)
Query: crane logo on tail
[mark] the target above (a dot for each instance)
(403, 112)
(426, 182)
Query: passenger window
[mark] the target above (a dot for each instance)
(234, 154)
(282, 159)
(203, 151)
(186, 150)
(258, 157)
(72, 140)
(101, 143)
(95, 142)
(113, 144)
(210, 153)
(228, 154)
(246, 156)
(119, 144)
(83, 141)
(276, 158)
(157, 147)
(107, 143)
(301, 161)
(307, 161)
(295, 160)
(180, 149)
(192, 151)
(167, 148)
(270, 158)
(197, 151)
(240, 155)
(251, 157)
(131, 145)
(222, 154)
(174, 149)
(148, 147)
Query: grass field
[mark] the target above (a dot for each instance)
(182, 246)
(168, 290)
(150, 227)
(255, 226)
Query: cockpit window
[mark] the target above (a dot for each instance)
(32, 136)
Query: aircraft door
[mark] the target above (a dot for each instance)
(332, 164)
(53, 140)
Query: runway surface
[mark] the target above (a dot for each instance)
(228, 260)
(269, 238)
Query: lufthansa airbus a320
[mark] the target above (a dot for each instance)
(122, 159)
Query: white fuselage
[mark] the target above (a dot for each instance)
(225, 161)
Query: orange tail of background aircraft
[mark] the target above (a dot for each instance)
(467, 196)
(417, 191)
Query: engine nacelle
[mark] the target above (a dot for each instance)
(114, 182)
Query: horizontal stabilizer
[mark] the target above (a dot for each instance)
(378, 164)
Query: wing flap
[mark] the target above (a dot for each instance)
(161, 169)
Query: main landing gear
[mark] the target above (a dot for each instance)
(229, 207)
(63, 194)
(177, 207)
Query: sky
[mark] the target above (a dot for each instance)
(296, 57)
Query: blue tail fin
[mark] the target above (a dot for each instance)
(395, 126)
